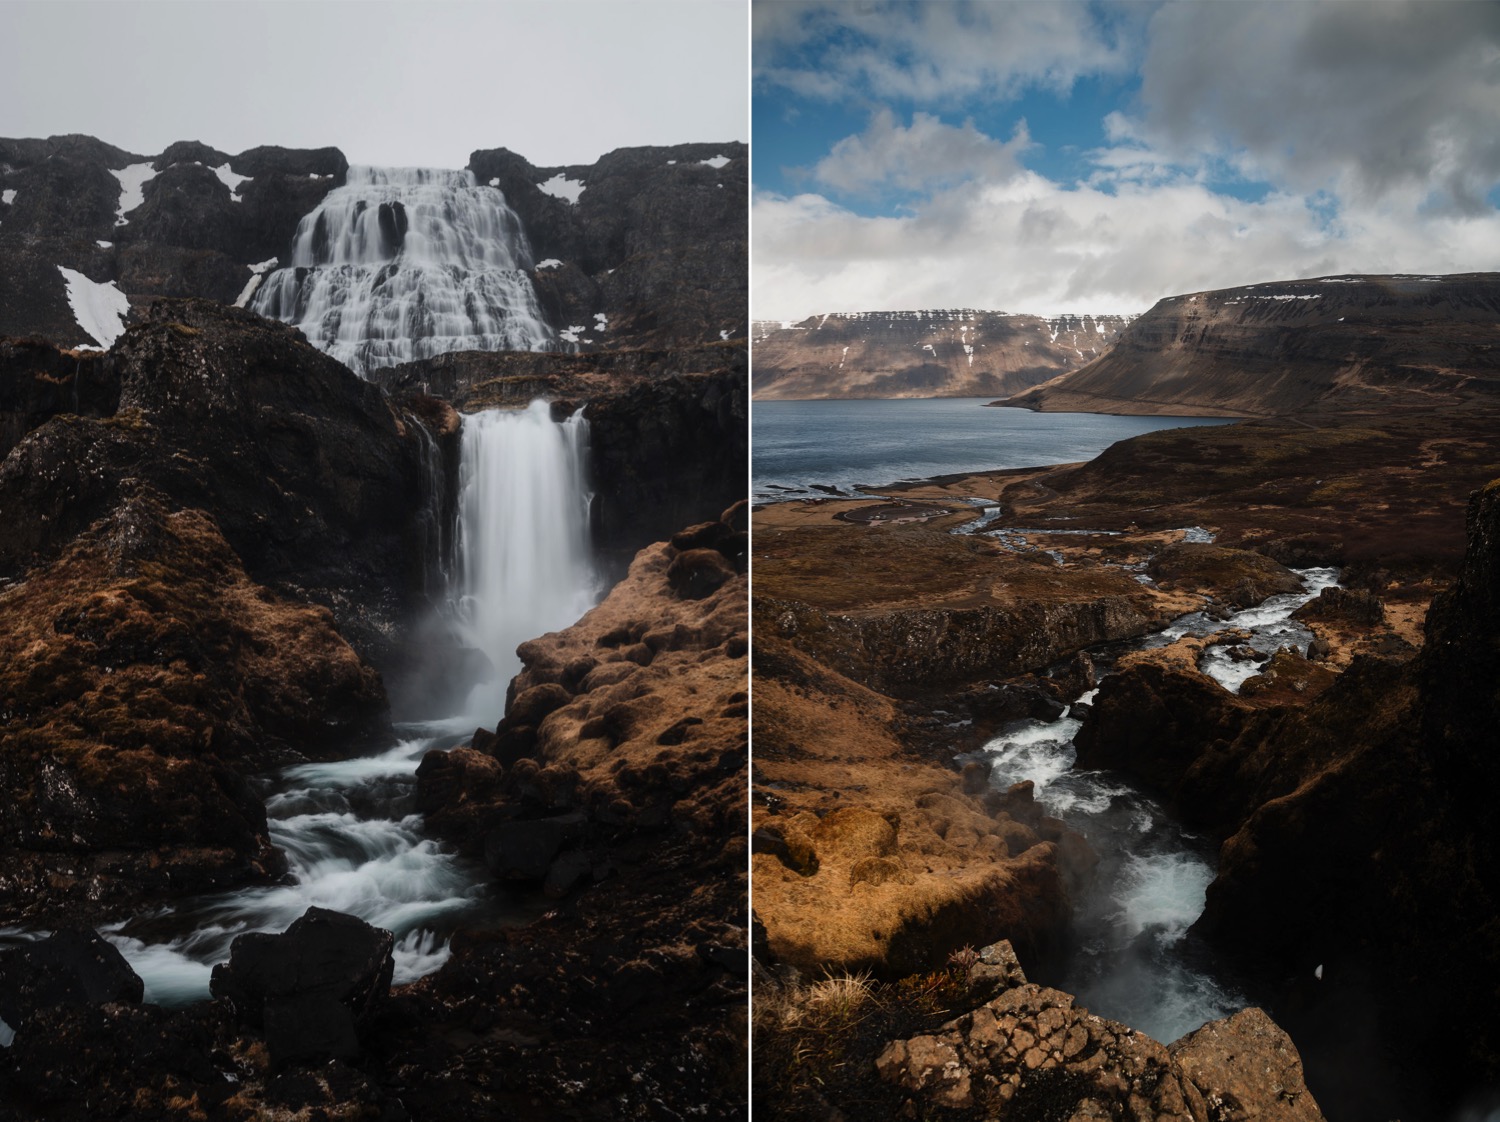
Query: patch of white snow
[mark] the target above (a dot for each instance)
(716, 163)
(601, 321)
(257, 274)
(100, 309)
(8, 196)
(230, 179)
(132, 189)
(105, 245)
(550, 263)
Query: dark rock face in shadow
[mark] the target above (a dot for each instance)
(656, 243)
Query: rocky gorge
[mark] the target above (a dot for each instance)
(230, 581)
(923, 647)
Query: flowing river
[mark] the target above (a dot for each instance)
(1130, 959)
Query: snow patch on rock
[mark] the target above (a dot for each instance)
(100, 309)
(133, 180)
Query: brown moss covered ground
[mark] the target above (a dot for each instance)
(142, 676)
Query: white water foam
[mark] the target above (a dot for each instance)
(406, 263)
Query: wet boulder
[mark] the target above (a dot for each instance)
(73, 967)
(310, 988)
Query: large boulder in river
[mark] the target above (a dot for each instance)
(309, 988)
(69, 967)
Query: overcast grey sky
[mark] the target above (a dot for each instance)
(394, 82)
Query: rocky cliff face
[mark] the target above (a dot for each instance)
(1352, 343)
(191, 221)
(1353, 879)
(313, 477)
(959, 353)
(644, 247)
(668, 429)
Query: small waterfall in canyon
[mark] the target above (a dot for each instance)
(521, 566)
(406, 263)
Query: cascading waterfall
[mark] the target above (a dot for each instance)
(522, 565)
(406, 263)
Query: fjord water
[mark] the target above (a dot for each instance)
(849, 444)
(1130, 958)
(406, 263)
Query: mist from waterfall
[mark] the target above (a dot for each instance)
(522, 565)
(406, 263)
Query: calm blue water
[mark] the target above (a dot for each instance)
(849, 444)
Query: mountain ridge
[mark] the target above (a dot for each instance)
(1351, 343)
(958, 352)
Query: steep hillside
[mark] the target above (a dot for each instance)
(954, 353)
(1335, 344)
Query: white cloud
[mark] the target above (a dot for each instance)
(1031, 245)
(931, 52)
(925, 154)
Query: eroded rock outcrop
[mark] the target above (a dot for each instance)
(311, 475)
(1032, 1053)
(143, 676)
(616, 782)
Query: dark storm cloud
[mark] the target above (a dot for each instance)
(1363, 99)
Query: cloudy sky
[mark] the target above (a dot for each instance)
(1032, 157)
(408, 82)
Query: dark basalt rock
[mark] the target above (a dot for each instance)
(698, 572)
(38, 382)
(1353, 605)
(190, 152)
(188, 207)
(526, 850)
(657, 241)
(70, 967)
(310, 473)
(311, 987)
(191, 236)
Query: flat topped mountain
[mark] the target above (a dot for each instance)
(952, 353)
(1334, 344)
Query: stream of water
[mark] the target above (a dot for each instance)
(1130, 959)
